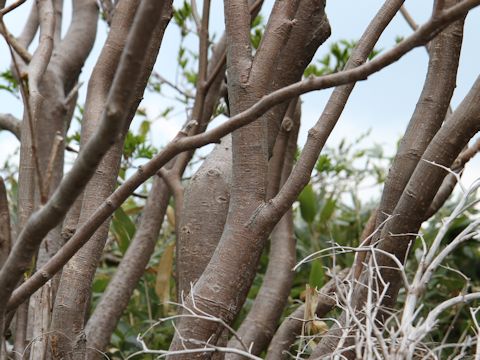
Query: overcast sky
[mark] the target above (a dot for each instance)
(383, 103)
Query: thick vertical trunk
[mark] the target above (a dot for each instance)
(223, 286)
(260, 324)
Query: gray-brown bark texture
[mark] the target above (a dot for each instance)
(203, 216)
(418, 195)
(74, 289)
(260, 324)
(5, 232)
(115, 299)
(223, 286)
(208, 191)
(242, 193)
(105, 317)
(47, 114)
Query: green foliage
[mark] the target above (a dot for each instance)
(181, 16)
(257, 30)
(9, 83)
(336, 59)
(123, 229)
(308, 204)
(331, 209)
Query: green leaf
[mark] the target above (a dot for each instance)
(308, 204)
(317, 274)
(144, 128)
(328, 209)
(123, 229)
(324, 164)
(257, 21)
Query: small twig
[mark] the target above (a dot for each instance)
(58, 140)
(174, 183)
(408, 18)
(72, 94)
(164, 80)
(13, 43)
(196, 16)
(108, 10)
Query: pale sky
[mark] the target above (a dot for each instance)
(383, 103)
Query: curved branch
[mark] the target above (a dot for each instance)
(10, 123)
(429, 114)
(73, 50)
(30, 28)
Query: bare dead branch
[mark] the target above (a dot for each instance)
(291, 327)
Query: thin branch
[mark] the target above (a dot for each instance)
(164, 80)
(182, 143)
(14, 43)
(451, 180)
(408, 18)
(72, 95)
(174, 183)
(196, 16)
(204, 42)
(108, 9)
(5, 231)
(57, 142)
(11, 7)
